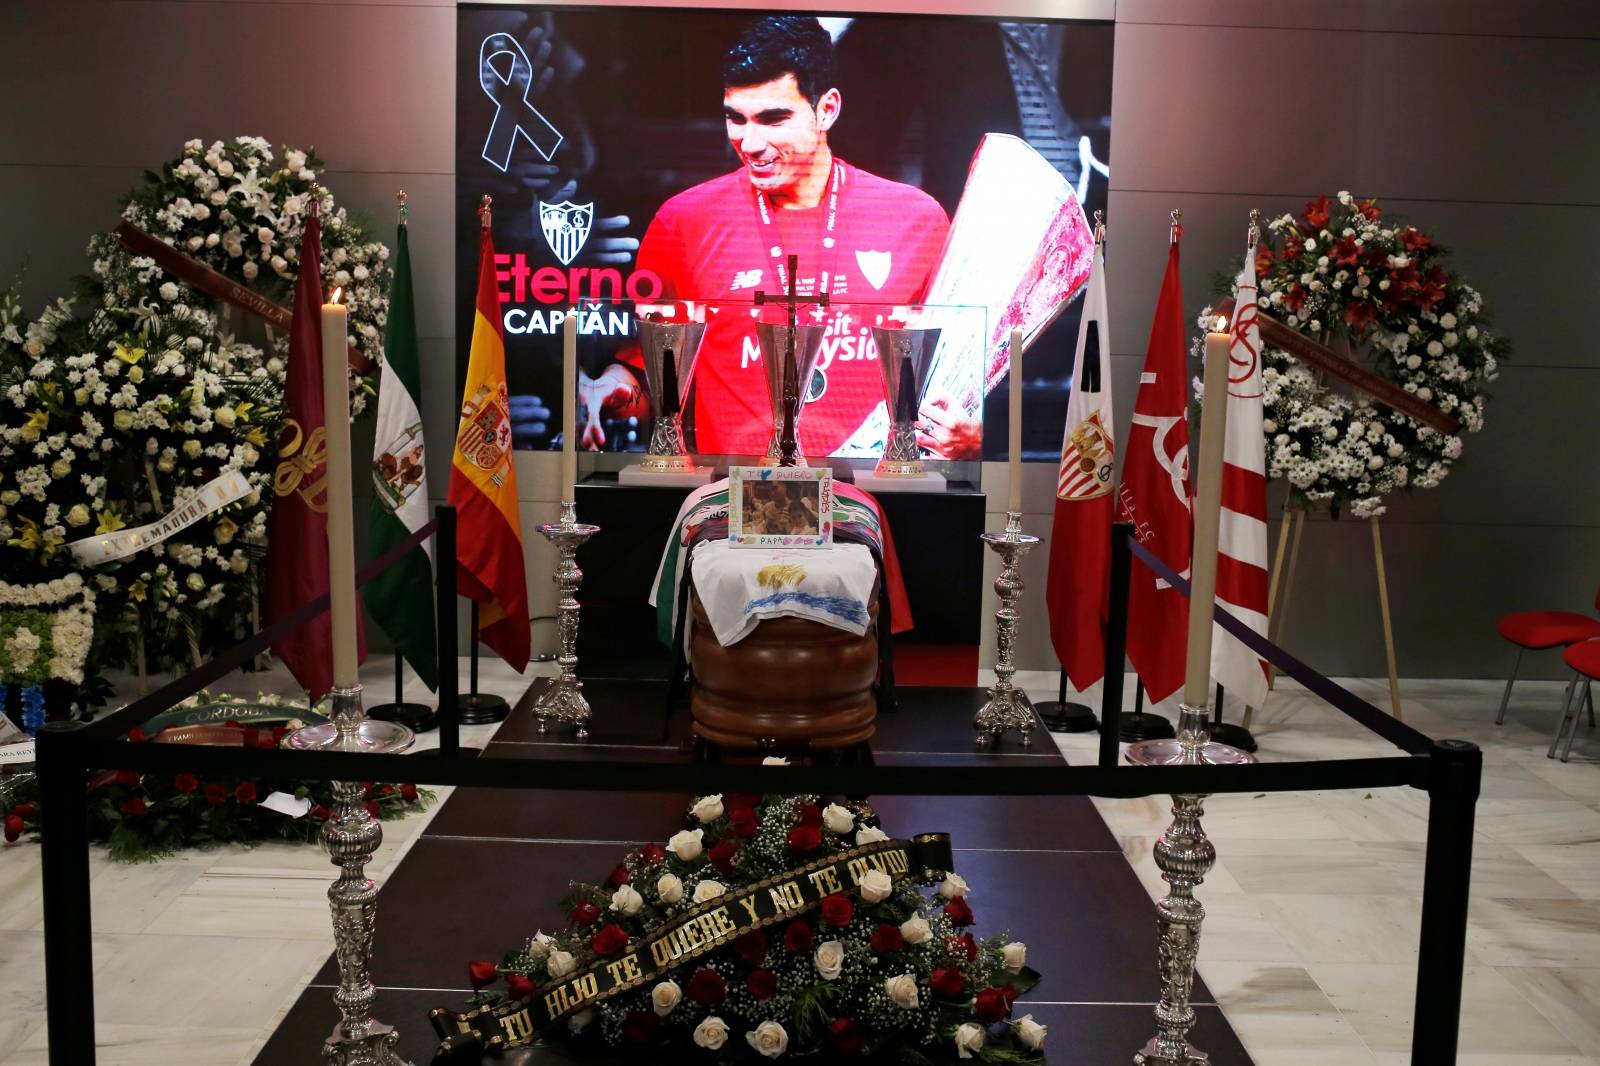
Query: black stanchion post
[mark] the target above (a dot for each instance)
(444, 555)
(1455, 771)
(1235, 736)
(478, 708)
(418, 717)
(1064, 717)
(64, 855)
(1116, 642)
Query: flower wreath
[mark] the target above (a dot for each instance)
(1341, 270)
(115, 412)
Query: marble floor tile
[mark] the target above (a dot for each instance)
(207, 980)
(1498, 870)
(1568, 997)
(21, 897)
(1577, 866)
(1268, 816)
(1382, 814)
(1236, 930)
(151, 1045)
(1279, 1011)
(1346, 928)
(1292, 867)
(1534, 932)
(1545, 821)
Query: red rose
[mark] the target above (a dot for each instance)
(640, 1025)
(751, 947)
(964, 946)
(251, 737)
(23, 810)
(722, 854)
(585, 913)
(216, 794)
(1316, 212)
(1010, 991)
(797, 938)
(366, 790)
(136, 734)
(947, 983)
(610, 940)
(887, 938)
(618, 876)
(372, 807)
(652, 854)
(13, 828)
(321, 813)
(992, 1005)
(707, 986)
(278, 733)
(245, 792)
(126, 777)
(408, 793)
(742, 822)
(958, 912)
(741, 799)
(810, 814)
(846, 1036)
(763, 984)
(385, 790)
(518, 986)
(186, 782)
(134, 806)
(837, 910)
(805, 838)
(481, 974)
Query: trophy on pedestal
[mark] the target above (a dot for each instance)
(669, 349)
(905, 355)
(775, 341)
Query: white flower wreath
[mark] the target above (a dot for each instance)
(1341, 274)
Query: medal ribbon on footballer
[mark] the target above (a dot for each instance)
(697, 932)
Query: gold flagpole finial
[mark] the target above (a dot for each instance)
(483, 210)
(1176, 230)
(1253, 236)
(401, 207)
(1099, 226)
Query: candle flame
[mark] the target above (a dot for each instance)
(1222, 324)
(338, 290)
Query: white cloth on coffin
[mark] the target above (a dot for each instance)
(740, 587)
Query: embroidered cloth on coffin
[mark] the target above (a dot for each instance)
(739, 587)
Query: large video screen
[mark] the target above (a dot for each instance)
(646, 157)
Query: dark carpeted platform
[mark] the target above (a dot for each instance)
(488, 871)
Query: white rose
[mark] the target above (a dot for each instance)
(264, 234)
(707, 808)
(560, 963)
(168, 291)
(769, 1038)
(870, 834)
(61, 467)
(196, 582)
(669, 888)
(902, 991)
(627, 900)
(1413, 361)
(1447, 320)
(540, 945)
(1031, 1033)
(218, 198)
(665, 996)
(250, 269)
(224, 416)
(953, 887)
(969, 1040)
(687, 844)
(201, 212)
(711, 1033)
(829, 958)
(123, 420)
(838, 819)
(875, 886)
(294, 159)
(580, 1021)
(224, 168)
(916, 930)
(708, 890)
(78, 516)
(191, 449)
(1435, 349)
(1014, 956)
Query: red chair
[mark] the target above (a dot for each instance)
(1584, 658)
(1540, 631)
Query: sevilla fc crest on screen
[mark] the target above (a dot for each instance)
(566, 228)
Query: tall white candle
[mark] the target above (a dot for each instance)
(569, 408)
(1207, 515)
(1014, 449)
(341, 503)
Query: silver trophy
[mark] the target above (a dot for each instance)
(775, 344)
(669, 350)
(906, 357)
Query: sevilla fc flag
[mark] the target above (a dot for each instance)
(1154, 496)
(483, 483)
(1080, 538)
(297, 564)
(1242, 535)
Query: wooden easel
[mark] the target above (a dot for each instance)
(1293, 524)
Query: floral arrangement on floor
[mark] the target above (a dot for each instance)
(144, 817)
(45, 633)
(1343, 273)
(116, 407)
(883, 971)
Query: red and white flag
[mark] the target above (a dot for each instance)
(1080, 537)
(1242, 536)
(1154, 495)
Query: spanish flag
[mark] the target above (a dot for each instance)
(483, 482)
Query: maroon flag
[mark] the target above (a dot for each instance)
(297, 557)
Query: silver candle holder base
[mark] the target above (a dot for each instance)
(563, 703)
(1184, 855)
(349, 729)
(1008, 707)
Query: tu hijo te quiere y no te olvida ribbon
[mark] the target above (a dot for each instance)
(693, 934)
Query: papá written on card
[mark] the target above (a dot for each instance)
(780, 507)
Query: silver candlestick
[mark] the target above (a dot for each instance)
(1008, 707)
(350, 836)
(563, 701)
(1184, 856)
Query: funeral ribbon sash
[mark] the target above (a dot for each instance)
(197, 275)
(695, 933)
(214, 495)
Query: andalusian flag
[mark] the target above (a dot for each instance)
(401, 598)
(483, 482)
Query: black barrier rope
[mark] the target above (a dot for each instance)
(1337, 696)
(168, 695)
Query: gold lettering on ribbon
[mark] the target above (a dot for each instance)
(297, 464)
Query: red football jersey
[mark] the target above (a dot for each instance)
(714, 243)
